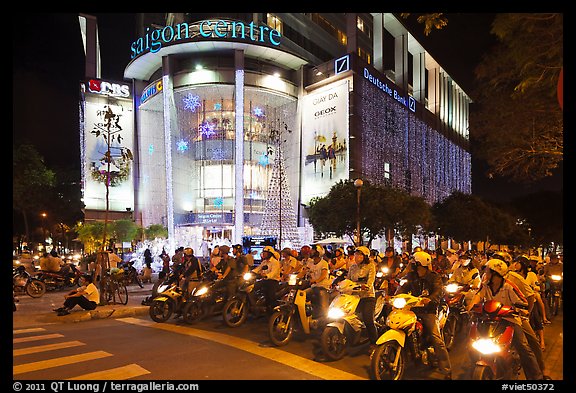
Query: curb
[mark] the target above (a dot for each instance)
(101, 312)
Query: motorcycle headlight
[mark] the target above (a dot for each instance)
(399, 302)
(201, 291)
(379, 274)
(335, 313)
(292, 279)
(556, 277)
(385, 270)
(486, 346)
(247, 276)
(452, 287)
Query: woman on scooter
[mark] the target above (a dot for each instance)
(422, 281)
(363, 272)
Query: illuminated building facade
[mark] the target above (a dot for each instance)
(356, 94)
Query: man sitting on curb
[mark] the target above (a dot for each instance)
(87, 297)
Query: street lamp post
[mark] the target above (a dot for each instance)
(44, 215)
(358, 184)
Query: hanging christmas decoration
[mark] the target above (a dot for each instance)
(191, 102)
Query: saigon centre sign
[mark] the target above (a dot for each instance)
(218, 29)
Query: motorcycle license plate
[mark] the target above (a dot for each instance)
(161, 299)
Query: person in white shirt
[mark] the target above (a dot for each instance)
(87, 297)
(269, 269)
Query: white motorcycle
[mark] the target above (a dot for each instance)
(346, 332)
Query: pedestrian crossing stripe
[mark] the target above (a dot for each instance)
(36, 338)
(57, 362)
(44, 348)
(118, 373)
(30, 330)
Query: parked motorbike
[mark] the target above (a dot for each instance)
(68, 276)
(207, 298)
(457, 318)
(170, 299)
(555, 294)
(491, 342)
(346, 332)
(23, 282)
(293, 315)
(131, 274)
(403, 342)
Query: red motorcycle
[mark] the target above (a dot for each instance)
(491, 342)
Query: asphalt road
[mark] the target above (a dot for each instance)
(136, 348)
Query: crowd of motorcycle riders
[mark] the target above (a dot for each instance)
(526, 283)
(520, 281)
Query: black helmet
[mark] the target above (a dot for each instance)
(237, 248)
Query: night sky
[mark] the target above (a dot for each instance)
(48, 65)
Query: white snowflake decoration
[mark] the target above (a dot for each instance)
(191, 102)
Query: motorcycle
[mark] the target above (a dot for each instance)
(403, 342)
(170, 299)
(491, 342)
(246, 301)
(23, 282)
(346, 333)
(555, 294)
(68, 276)
(457, 318)
(207, 298)
(131, 274)
(293, 314)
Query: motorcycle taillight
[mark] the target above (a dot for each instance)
(418, 327)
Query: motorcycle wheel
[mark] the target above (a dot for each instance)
(449, 332)
(555, 305)
(161, 311)
(333, 343)
(138, 281)
(280, 328)
(235, 312)
(193, 312)
(482, 373)
(35, 288)
(122, 294)
(382, 361)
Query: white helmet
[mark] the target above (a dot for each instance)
(423, 258)
(497, 265)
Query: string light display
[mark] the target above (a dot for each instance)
(191, 102)
(403, 151)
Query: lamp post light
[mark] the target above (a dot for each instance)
(358, 184)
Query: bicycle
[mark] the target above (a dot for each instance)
(114, 290)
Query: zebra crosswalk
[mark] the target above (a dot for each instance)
(25, 343)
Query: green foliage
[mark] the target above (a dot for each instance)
(124, 230)
(154, 231)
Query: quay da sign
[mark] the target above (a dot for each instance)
(217, 29)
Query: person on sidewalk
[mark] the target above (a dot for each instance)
(87, 297)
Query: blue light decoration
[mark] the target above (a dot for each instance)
(182, 145)
(191, 102)
(218, 202)
(264, 160)
(258, 112)
(218, 106)
(206, 129)
(150, 149)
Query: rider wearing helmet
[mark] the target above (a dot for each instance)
(495, 286)
(422, 281)
(269, 269)
(364, 272)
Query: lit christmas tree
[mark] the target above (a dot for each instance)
(279, 218)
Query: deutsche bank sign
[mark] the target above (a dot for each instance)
(410, 103)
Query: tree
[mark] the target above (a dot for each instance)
(125, 230)
(29, 177)
(91, 235)
(154, 231)
(517, 126)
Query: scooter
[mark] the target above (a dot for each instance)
(23, 282)
(293, 314)
(491, 342)
(555, 294)
(207, 298)
(68, 276)
(246, 301)
(170, 299)
(346, 333)
(457, 318)
(403, 343)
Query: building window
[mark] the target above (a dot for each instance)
(363, 27)
(274, 22)
(364, 55)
